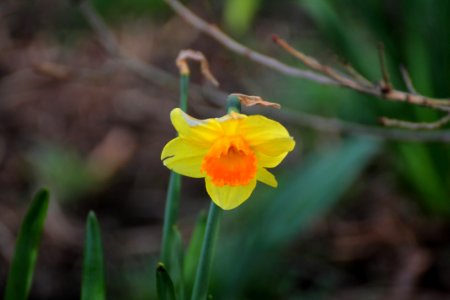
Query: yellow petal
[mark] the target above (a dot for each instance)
(229, 197)
(266, 135)
(184, 157)
(266, 161)
(202, 132)
(266, 177)
(275, 147)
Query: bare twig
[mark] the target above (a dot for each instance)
(106, 37)
(415, 125)
(407, 80)
(358, 76)
(386, 86)
(331, 77)
(217, 97)
(384, 92)
(316, 65)
(231, 44)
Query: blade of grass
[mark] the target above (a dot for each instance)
(27, 248)
(200, 289)
(178, 262)
(164, 284)
(93, 281)
(193, 252)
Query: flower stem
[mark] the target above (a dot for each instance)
(200, 288)
(170, 217)
(174, 190)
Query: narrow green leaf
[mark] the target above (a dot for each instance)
(178, 262)
(27, 247)
(192, 254)
(93, 281)
(164, 284)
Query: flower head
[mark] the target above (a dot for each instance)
(231, 153)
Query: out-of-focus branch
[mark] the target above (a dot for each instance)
(321, 73)
(384, 91)
(236, 47)
(217, 97)
(415, 125)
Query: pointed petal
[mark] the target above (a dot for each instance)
(266, 136)
(202, 132)
(266, 161)
(229, 197)
(184, 157)
(275, 147)
(266, 177)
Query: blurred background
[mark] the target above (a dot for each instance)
(353, 217)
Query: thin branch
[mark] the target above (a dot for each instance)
(385, 93)
(217, 97)
(415, 125)
(407, 80)
(358, 76)
(233, 45)
(386, 84)
(316, 65)
(331, 77)
(106, 37)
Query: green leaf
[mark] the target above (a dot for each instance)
(178, 262)
(164, 284)
(267, 225)
(27, 247)
(193, 251)
(93, 281)
(238, 15)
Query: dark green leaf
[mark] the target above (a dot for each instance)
(164, 284)
(93, 281)
(27, 247)
(192, 255)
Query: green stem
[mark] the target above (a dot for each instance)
(184, 88)
(170, 217)
(173, 191)
(200, 288)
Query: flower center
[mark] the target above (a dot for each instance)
(230, 161)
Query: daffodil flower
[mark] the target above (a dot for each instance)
(232, 153)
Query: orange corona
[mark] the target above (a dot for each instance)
(230, 161)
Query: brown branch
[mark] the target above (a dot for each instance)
(407, 80)
(355, 74)
(415, 125)
(386, 83)
(233, 45)
(331, 77)
(213, 95)
(385, 93)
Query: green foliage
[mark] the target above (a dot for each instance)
(27, 247)
(268, 224)
(422, 47)
(166, 290)
(62, 170)
(238, 15)
(193, 251)
(93, 281)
